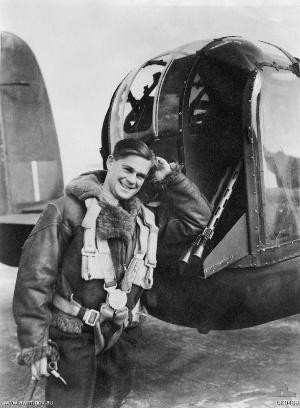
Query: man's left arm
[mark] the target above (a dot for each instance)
(184, 211)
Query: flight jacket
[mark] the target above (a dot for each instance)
(51, 256)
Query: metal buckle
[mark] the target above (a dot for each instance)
(90, 317)
(109, 288)
(88, 252)
(151, 264)
(117, 299)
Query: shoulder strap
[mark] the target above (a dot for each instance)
(140, 269)
(89, 238)
(149, 221)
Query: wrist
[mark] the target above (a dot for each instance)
(173, 176)
(166, 172)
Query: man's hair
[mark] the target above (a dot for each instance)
(130, 146)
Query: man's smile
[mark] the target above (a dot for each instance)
(126, 186)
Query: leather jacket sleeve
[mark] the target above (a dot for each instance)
(35, 283)
(184, 211)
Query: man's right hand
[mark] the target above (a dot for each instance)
(162, 169)
(39, 369)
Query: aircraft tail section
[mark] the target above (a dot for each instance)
(30, 164)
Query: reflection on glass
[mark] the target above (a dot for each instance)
(171, 92)
(213, 135)
(191, 48)
(198, 103)
(213, 129)
(138, 108)
(280, 127)
(117, 110)
(273, 53)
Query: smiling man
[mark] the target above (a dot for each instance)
(83, 270)
(126, 174)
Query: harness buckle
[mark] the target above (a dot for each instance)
(88, 252)
(150, 264)
(90, 317)
(117, 299)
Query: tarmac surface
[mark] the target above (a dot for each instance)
(180, 368)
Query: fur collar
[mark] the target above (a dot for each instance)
(114, 221)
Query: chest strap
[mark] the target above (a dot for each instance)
(89, 250)
(140, 269)
(96, 256)
(97, 264)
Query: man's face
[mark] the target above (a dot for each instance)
(126, 176)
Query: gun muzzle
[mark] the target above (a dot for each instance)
(198, 253)
(185, 259)
(186, 256)
(191, 262)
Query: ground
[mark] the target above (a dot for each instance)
(180, 368)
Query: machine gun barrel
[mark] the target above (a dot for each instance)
(186, 257)
(196, 250)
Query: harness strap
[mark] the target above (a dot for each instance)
(97, 264)
(106, 269)
(97, 261)
(73, 308)
(150, 259)
(95, 318)
(118, 317)
(149, 220)
(89, 242)
(137, 262)
(141, 266)
(136, 265)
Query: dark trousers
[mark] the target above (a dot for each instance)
(93, 381)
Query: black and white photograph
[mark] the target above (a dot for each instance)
(150, 203)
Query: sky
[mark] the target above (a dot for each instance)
(85, 48)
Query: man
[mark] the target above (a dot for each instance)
(94, 250)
